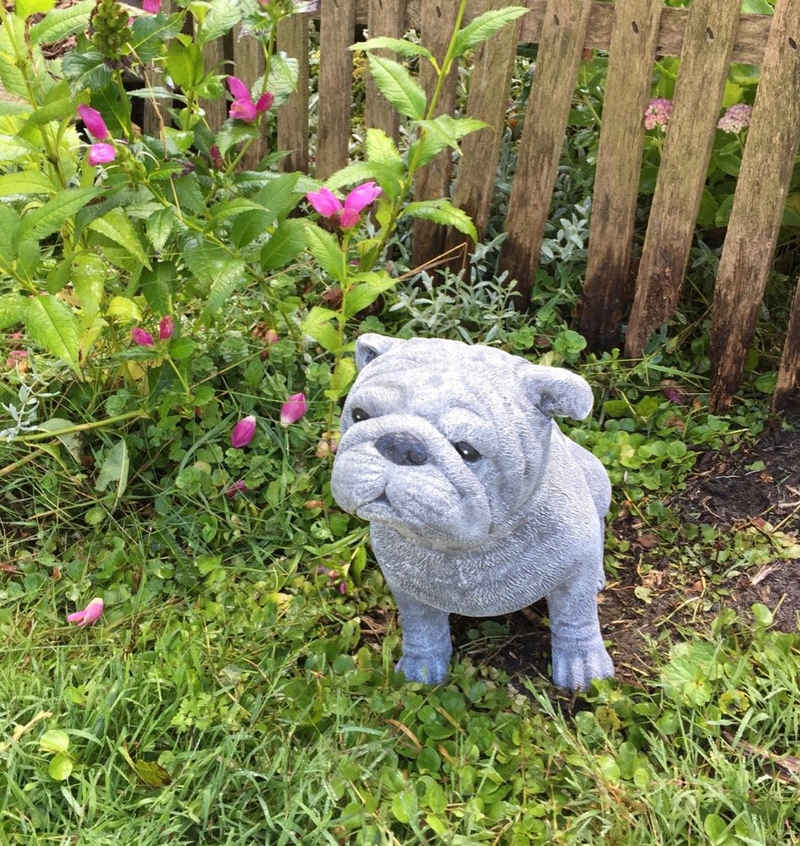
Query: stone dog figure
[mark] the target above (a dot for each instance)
(478, 504)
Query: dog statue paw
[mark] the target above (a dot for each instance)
(478, 504)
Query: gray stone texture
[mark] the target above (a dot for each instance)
(478, 503)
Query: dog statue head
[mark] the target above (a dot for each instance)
(446, 442)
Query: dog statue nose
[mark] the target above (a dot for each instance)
(402, 448)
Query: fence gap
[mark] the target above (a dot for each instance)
(384, 17)
(787, 388)
(758, 203)
(337, 33)
(436, 23)
(492, 67)
(292, 39)
(608, 288)
(708, 42)
(557, 64)
(214, 60)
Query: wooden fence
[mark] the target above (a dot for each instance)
(707, 36)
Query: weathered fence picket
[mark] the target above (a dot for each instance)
(708, 36)
(608, 287)
(707, 47)
(557, 65)
(758, 203)
(293, 115)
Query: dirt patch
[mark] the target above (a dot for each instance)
(653, 600)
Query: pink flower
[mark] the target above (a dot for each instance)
(329, 205)
(243, 107)
(101, 154)
(735, 119)
(243, 432)
(235, 488)
(657, 113)
(142, 338)
(166, 326)
(90, 614)
(152, 6)
(94, 122)
(293, 409)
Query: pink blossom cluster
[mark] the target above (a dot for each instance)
(166, 326)
(100, 152)
(735, 119)
(328, 204)
(243, 107)
(657, 113)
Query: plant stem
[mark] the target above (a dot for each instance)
(83, 427)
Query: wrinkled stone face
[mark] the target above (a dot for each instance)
(439, 443)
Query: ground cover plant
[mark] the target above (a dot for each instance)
(177, 334)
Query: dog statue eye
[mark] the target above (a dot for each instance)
(359, 414)
(466, 451)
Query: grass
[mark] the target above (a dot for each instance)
(276, 721)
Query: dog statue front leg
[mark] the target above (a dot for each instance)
(426, 640)
(576, 642)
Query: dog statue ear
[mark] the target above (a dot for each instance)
(370, 345)
(557, 392)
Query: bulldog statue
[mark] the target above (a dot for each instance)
(478, 504)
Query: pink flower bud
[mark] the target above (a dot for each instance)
(142, 338)
(101, 154)
(90, 614)
(325, 202)
(94, 122)
(235, 488)
(243, 432)
(166, 326)
(293, 409)
(152, 6)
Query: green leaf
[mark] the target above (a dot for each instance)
(61, 23)
(181, 348)
(152, 773)
(25, 8)
(444, 212)
(404, 805)
(115, 468)
(11, 79)
(12, 309)
(285, 244)
(232, 208)
(25, 182)
(387, 175)
(397, 85)
(485, 26)
(159, 227)
(124, 309)
(149, 34)
(50, 217)
(232, 133)
(284, 73)
(88, 281)
(251, 225)
(715, 828)
(52, 325)
(117, 227)
(9, 226)
(342, 377)
(325, 249)
(280, 195)
(224, 283)
(318, 326)
(222, 15)
(57, 105)
(13, 148)
(757, 7)
(365, 292)
(72, 444)
(185, 64)
(443, 131)
(157, 288)
(761, 614)
(54, 740)
(381, 149)
(398, 45)
(60, 768)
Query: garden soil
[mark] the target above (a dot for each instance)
(652, 601)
